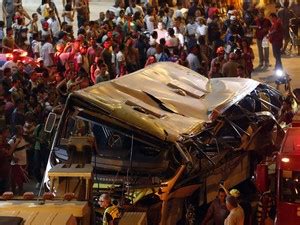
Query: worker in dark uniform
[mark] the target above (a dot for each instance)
(111, 212)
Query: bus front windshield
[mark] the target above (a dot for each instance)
(290, 186)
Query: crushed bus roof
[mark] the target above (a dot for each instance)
(165, 100)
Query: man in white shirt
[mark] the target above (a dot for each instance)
(201, 27)
(236, 215)
(193, 61)
(47, 52)
(13, 63)
(149, 20)
(53, 24)
(133, 8)
(36, 46)
(161, 31)
(119, 5)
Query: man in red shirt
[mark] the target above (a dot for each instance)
(276, 39)
(263, 26)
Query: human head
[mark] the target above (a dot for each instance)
(9, 31)
(231, 202)
(232, 56)
(240, 72)
(104, 201)
(261, 14)
(221, 195)
(132, 3)
(220, 52)
(35, 17)
(171, 32)
(286, 4)
(273, 16)
(160, 25)
(101, 16)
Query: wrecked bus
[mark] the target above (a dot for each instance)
(162, 139)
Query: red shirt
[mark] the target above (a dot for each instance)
(263, 27)
(276, 33)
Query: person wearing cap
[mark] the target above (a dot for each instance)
(245, 205)
(12, 63)
(220, 59)
(41, 68)
(217, 211)
(45, 29)
(236, 213)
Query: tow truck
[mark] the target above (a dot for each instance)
(162, 139)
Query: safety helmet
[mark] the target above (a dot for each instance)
(235, 193)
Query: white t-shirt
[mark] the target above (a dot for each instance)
(134, 10)
(36, 47)
(46, 50)
(115, 10)
(178, 13)
(193, 61)
(201, 30)
(120, 57)
(191, 28)
(161, 34)
(54, 26)
(10, 64)
(149, 23)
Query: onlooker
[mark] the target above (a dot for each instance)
(47, 52)
(285, 14)
(236, 214)
(262, 29)
(229, 69)
(217, 211)
(193, 59)
(111, 212)
(19, 161)
(276, 39)
(8, 9)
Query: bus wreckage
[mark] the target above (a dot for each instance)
(162, 139)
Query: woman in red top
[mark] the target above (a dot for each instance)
(248, 56)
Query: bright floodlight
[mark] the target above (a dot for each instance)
(285, 160)
(279, 73)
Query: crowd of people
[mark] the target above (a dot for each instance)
(209, 37)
